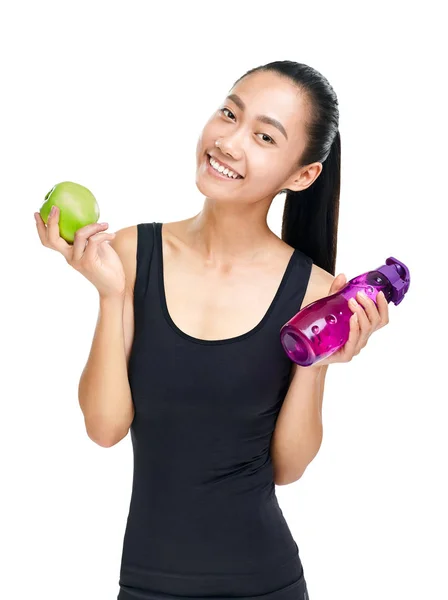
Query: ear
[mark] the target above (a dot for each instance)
(304, 177)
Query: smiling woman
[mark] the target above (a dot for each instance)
(207, 371)
(187, 353)
(279, 141)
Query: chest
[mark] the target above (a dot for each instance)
(211, 306)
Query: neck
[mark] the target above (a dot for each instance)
(224, 234)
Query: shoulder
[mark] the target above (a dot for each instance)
(322, 279)
(318, 286)
(319, 281)
(125, 245)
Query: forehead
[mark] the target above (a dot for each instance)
(270, 94)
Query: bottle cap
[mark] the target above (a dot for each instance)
(398, 275)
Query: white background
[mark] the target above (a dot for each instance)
(114, 96)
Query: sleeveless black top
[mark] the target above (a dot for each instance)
(204, 521)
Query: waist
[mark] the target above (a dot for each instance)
(240, 519)
(282, 583)
(208, 545)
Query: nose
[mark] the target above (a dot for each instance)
(230, 146)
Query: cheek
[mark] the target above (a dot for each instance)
(201, 147)
(198, 146)
(214, 129)
(264, 170)
(267, 176)
(205, 140)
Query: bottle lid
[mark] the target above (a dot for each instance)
(398, 275)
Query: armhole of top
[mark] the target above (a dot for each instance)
(299, 286)
(308, 267)
(145, 247)
(308, 263)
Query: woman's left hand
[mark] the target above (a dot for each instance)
(370, 318)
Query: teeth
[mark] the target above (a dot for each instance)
(222, 170)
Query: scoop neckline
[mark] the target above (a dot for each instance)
(230, 340)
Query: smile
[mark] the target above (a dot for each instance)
(214, 167)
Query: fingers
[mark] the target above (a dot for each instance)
(92, 249)
(338, 282)
(54, 239)
(95, 240)
(364, 326)
(374, 317)
(351, 344)
(84, 235)
(357, 308)
(370, 316)
(41, 229)
(50, 238)
(49, 234)
(383, 309)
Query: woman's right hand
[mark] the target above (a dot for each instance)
(90, 253)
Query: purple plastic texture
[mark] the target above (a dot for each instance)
(322, 327)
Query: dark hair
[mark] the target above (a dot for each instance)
(310, 216)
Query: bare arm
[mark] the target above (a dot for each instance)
(298, 433)
(104, 392)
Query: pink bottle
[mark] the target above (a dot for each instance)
(322, 327)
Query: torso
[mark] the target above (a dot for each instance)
(204, 518)
(212, 305)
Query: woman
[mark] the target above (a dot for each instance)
(187, 354)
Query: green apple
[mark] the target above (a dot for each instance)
(77, 208)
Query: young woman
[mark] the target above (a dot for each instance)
(187, 354)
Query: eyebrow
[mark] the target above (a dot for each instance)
(263, 118)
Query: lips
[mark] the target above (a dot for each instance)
(226, 165)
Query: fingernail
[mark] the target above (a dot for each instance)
(353, 302)
(53, 211)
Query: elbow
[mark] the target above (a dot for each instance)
(104, 434)
(287, 478)
(288, 474)
(104, 442)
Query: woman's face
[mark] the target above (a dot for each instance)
(265, 155)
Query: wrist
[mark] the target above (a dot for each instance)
(112, 299)
(317, 370)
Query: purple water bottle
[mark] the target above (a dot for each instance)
(322, 327)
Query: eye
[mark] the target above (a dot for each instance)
(271, 141)
(223, 109)
(268, 136)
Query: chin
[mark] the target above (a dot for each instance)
(209, 191)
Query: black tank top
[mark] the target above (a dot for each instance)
(204, 521)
